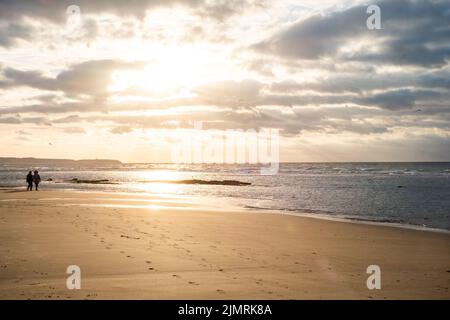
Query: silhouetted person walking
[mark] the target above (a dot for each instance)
(36, 179)
(30, 181)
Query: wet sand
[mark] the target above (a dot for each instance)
(132, 246)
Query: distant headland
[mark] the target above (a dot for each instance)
(38, 162)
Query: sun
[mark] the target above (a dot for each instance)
(175, 71)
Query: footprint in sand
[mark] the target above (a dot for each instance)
(129, 237)
(33, 284)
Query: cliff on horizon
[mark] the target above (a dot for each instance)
(37, 162)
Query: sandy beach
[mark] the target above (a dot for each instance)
(132, 246)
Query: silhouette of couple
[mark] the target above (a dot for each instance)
(36, 178)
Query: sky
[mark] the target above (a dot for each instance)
(126, 80)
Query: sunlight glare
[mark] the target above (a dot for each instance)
(176, 71)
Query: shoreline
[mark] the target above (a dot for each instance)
(298, 213)
(398, 225)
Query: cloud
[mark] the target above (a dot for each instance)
(55, 10)
(10, 33)
(398, 99)
(315, 36)
(10, 120)
(19, 120)
(413, 33)
(89, 78)
(230, 92)
(121, 130)
(360, 82)
(75, 130)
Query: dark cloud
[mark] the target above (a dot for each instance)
(20, 120)
(10, 120)
(88, 78)
(360, 82)
(413, 33)
(68, 119)
(316, 36)
(398, 99)
(397, 53)
(10, 33)
(53, 108)
(231, 93)
(55, 10)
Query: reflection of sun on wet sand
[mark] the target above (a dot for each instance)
(137, 246)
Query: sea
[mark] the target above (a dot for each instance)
(401, 194)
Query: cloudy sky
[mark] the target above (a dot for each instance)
(125, 79)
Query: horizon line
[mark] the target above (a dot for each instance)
(245, 163)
